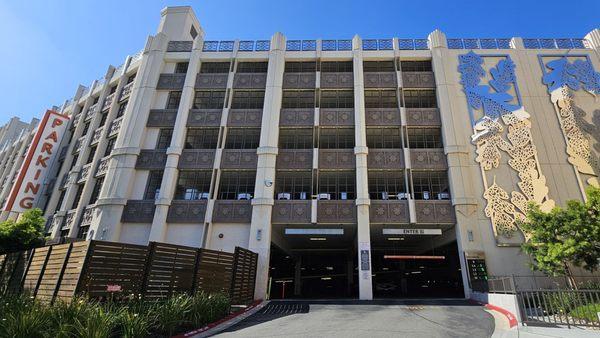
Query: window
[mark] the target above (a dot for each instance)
(131, 79)
(416, 66)
(340, 185)
(242, 138)
(381, 99)
(384, 138)
(201, 138)
(74, 163)
(77, 196)
(122, 108)
(209, 99)
(153, 186)
(83, 231)
(103, 118)
(61, 198)
(296, 138)
(96, 191)
(419, 99)
(236, 184)
(337, 99)
(86, 126)
(298, 99)
(295, 185)
(378, 66)
(173, 101)
(300, 67)
(193, 32)
(385, 185)
(336, 138)
(113, 89)
(248, 99)
(193, 185)
(91, 155)
(424, 138)
(430, 185)
(252, 67)
(337, 67)
(164, 138)
(96, 100)
(110, 145)
(215, 67)
(181, 67)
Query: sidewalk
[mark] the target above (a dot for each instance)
(502, 330)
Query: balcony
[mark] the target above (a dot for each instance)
(418, 80)
(380, 80)
(115, 126)
(97, 135)
(299, 80)
(204, 118)
(428, 159)
(336, 117)
(239, 159)
(244, 118)
(88, 216)
(108, 101)
(382, 117)
(102, 166)
(168, 81)
(138, 211)
(295, 159)
(231, 211)
(389, 211)
(126, 91)
(161, 118)
(78, 144)
(93, 109)
(385, 159)
(196, 159)
(211, 81)
(337, 159)
(337, 80)
(84, 174)
(342, 211)
(291, 212)
(435, 212)
(250, 80)
(69, 219)
(297, 117)
(423, 117)
(151, 159)
(187, 211)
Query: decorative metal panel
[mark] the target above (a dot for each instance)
(207, 80)
(382, 117)
(297, 117)
(102, 166)
(88, 215)
(239, 159)
(291, 212)
(389, 212)
(180, 46)
(423, 117)
(171, 81)
(97, 135)
(336, 211)
(161, 118)
(126, 91)
(337, 80)
(151, 159)
(418, 80)
(385, 159)
(244, 118)
(84, 174)
(226, 46)
(196, 159)
(115, 126)
(337, 159)
(187, 211)
(210, 46)
(299, 80)
(380, 80)
(336, 117)
(204, 118)
(138, 211)
(428, 159)
(227, 211)
(435, 212)
(295, 159)
(69, 219)
(108, 101)
(249, 80)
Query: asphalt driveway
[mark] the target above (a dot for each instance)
(419, 318)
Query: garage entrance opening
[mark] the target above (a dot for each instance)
(413, 263)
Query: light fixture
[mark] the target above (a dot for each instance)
(318, 239)
(408, 257)
(268, 182)
(325, 278)
(395, 238)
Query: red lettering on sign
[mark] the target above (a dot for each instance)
(53, 136)
(47, 148)
(26, 202)
(37, 174)
(42, 161)
(56, 122)
(32, 187)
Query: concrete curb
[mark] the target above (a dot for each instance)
(512, 319)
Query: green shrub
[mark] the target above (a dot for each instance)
(172, 313)
(26, 319)
(207, 308)
(588, 312)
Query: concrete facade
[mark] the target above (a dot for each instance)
(118, 148)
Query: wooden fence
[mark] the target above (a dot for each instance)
(100, 270)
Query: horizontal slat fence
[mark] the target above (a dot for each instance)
(101, 270)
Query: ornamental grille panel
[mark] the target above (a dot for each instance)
(435, 212)
(336, 117)
(299, 80)
(295, 159)
(418, 80)
(180, 46)
(244, 118)
(151, 159)
(161, 118)
(336, 211)
(385, 159)
(337, 159)
(211, 81)
(428, 159)
(239, 159)
(115, 126)
(380, 80)
(382, 117)
(204, 118)
(423, 117)
(187, 211)
(291, 212)
(291, 117)
(250, 80)
(171, 81)
(337, 80)
(196, 159)
(227, 211)
(138, 211)
(389, 212)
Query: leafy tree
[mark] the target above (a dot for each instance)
(564, 235)
(26, 233)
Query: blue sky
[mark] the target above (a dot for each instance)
(49, 47)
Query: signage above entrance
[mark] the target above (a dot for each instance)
(412, 231)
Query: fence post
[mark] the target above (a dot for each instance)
(236, 257)
(144, 286)
(84, 268)
(196, 267)
(62, 272)
(26, 270)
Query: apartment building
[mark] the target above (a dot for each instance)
(354, 168)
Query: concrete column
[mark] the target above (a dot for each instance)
(121, 167)
(361, 151)
(593, 39)
(158, 231)
(260, 228)
(456, 135)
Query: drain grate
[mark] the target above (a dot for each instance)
(284, 308)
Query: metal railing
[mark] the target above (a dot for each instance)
(560, 307)
(502, 43)
(301, 45)
(564, 43)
